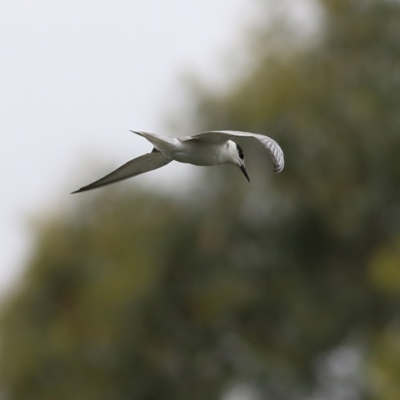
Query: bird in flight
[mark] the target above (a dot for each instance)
(204, 149)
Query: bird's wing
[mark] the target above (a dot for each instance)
(137, 166)
(222, 136)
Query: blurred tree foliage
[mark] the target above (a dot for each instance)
(290, 285)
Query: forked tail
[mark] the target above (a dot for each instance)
(158, 141)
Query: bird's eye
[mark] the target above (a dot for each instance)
(240, 151)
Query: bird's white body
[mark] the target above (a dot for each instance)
(201, 153)
(195, 152)
(204, 149)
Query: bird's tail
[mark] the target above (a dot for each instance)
(158, 141)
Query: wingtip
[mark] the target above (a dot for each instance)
(82, 189)
(277, 169)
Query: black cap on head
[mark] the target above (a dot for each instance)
(241, 157)
(240, 152)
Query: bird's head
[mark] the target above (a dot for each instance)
(237, 158)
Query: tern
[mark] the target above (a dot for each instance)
(203, 149)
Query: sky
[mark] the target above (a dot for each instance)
(75, 76)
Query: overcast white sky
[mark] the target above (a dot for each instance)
(75, 76)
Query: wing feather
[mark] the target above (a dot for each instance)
(137, 166)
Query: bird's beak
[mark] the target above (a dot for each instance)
(243, 168)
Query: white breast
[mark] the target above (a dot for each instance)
(201, 153)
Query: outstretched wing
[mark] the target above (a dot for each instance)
(222, 136)
(137, 166)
